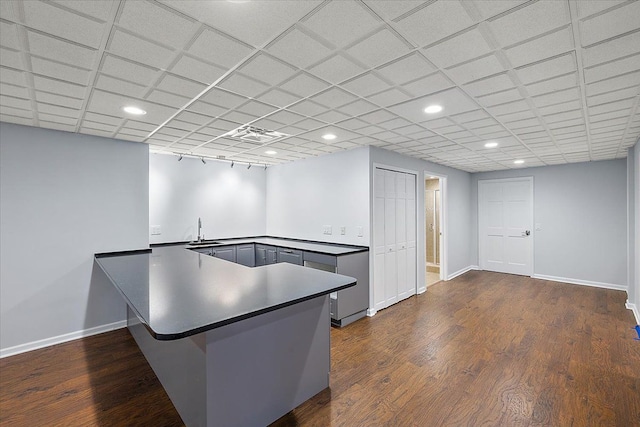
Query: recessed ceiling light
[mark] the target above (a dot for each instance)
(134, 110)
(329, 136)
(271, 152)
(431, 109)
(518, 162)
(491, 144)
(432, 177)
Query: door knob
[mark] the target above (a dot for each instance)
(526, 233)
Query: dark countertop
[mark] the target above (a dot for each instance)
(336, 249)
(177, 292)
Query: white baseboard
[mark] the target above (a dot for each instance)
(421, 290)
(580, 282)
(371, 312)
(34, 345)
(462, 271)
(634, 310)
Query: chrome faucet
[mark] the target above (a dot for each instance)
(200, 238)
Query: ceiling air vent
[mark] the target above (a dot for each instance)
(255, 135)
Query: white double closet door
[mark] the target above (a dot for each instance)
(394, 237)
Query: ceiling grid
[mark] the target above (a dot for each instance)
(551, 82)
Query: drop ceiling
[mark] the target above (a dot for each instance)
(552, 82)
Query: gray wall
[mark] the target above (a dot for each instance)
(230, 201)
(456, 203)
(305, 195)
(582, 210)
(63, 198)
(633, 174)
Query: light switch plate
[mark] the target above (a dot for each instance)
(538, 226)
(156, 230)
(343, 230)
(327, 229)
(359, 231)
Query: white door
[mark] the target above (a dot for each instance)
(394, 237)
(505, 219)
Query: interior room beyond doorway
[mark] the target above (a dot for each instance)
(433, 231)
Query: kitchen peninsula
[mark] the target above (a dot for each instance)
(231, 344)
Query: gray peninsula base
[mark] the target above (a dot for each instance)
(247, 373)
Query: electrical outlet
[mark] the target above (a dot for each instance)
(360, 233)
(327, 229)
(343, 230)
(156, 230)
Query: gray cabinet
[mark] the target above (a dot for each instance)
(292, 256)
(246, 255)
(206, 251)
(346, 305)
(265, 255)
(227, 253)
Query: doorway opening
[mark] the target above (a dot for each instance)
(433, 229)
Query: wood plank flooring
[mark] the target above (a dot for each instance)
(483, 349)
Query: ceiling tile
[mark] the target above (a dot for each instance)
(308, 108)
(166, 98)
(11, 58)
(488, 85)
(509, 107)
(278, 98)
(59, 71)
(549, 68)
(47, 18)
(128, 70)
(557, 97)
(377, 116)
(299, 49)
(139, 50)
(427, 85)
(180, 86)
(612, 49)
(57, 86)
(197, 70)
(9, 35)
(52, 48)
(597, 28)
(111, 104)
(407, 68)
(378, 48)
(304, 85)
(120, 86)
(366, 84)
(612, 69)
(476, 69)
(389, 97)
(331, 116)
(157, 23)
(357, 108)
(558, 108)
(615, 83)
(336, 69)
(453, 100)
(392, 9)
(461, 48)
(243, 85)
(333, 98)
(500, 97)
(531, 20)
(12, 102)
(96, 9)
(334, 22)
(553, 84)
(434, 22)
(491, 8)
(218, 48)
(612, 96)
(15, 91)
(250, 22)
(541, 48)
(266, 69)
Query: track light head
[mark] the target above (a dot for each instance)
(232, 163)
(180, 158)
(203, 161)
(249, 167)
(265, 166)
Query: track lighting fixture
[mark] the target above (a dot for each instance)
(249, 167)
(203, 162)
(232, 163)
(180, 158)
(265, 166)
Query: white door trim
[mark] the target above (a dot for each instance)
(481, 258)
(444, 239)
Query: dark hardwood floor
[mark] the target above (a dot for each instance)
(483, 349)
